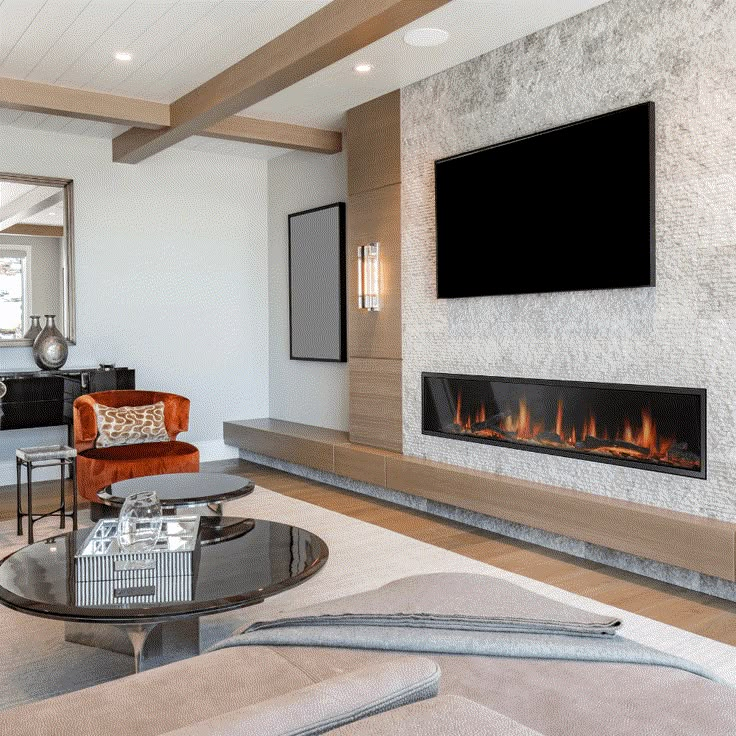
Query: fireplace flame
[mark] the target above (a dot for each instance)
(635, 440)
(524, 430)
(558, 424)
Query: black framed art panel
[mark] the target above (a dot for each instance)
(317, 299)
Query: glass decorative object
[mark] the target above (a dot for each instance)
(50, 349)
(139, 523)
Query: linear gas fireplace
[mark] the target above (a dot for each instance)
(650, 427)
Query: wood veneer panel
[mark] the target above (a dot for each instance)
(366, 464)
(375, 216)
(373, 138)
(289, 441)
(375, 403)
(683, 540)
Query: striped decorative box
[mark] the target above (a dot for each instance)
(105, 575)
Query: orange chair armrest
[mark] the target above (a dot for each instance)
(85, 423)
(176, 414)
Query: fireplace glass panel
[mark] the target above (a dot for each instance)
(651, 427)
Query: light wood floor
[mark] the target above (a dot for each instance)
(701, 614)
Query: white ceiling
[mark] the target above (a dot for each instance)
(11, 191)
(178, 44)
(475, 27)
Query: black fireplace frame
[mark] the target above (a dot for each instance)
(571, 453)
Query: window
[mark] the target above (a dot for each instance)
(14, 296)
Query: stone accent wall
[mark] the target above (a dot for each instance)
(681, 55)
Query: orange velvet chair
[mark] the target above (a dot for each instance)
(98, 467)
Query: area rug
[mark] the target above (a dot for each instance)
(37, 663)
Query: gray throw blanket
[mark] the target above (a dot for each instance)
(457, 613)
(455, 601)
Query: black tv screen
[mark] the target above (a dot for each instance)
(566, 209)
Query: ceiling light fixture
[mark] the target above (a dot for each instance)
(364, 68)
(123, 56)
(426, 37)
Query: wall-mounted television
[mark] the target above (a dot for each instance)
(566, 209)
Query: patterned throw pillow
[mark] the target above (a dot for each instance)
(130, 425)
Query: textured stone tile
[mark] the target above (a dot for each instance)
(681, 55)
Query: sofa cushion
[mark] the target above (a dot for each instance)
(130, 425)
(447, 714)
(102, 466)
(162, 699)
(325, 705)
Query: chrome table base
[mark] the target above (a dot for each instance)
(151, 645)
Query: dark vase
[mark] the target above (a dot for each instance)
(35, 329)
(50, 349)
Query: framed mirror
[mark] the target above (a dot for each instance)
(36, 256)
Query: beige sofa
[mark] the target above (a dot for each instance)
(428, 655)
(262, 692)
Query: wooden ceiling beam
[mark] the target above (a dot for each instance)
(48, 99)
(323, 38)
(20, 94)
(40, 231)
(269, 133)
(29, 204)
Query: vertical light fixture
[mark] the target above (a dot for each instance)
(369, 277)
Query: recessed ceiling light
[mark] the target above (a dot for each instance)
(363, 68)
(426, 36)
(123, 56)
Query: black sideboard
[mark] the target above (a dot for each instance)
(45, 398)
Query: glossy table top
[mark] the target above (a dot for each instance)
(267, 559)
(180, 489)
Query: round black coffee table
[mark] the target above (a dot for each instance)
(204, 492)
(240, 571)
(180, 490)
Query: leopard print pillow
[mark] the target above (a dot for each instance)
(130, 425)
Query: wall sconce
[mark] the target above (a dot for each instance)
(369, 276)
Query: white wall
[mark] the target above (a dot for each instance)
(172, 276)
(300, 391)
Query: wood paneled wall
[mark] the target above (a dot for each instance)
(373, 140)
(375, 402)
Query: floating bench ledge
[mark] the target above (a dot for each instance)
(684, 540)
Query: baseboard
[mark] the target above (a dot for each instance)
(210, 450)
(8, 474)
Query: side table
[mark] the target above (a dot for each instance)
(50, 455)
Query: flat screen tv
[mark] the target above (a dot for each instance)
(567, 209)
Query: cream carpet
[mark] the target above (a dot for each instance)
(36, 662)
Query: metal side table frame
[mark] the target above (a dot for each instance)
(41, 457)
